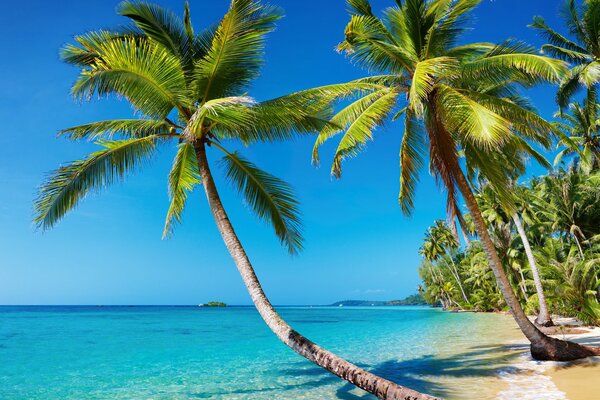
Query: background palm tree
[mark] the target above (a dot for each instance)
(582, 50)
(458, 98)
(189, 87)
(439, 243)
(582, 140)
(570, 272)
(499, 221)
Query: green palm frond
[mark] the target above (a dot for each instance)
(148, 76)
(158, 24)
(267, 196)
(88, 50)
(424, 79)
(366, 46)
(522, 120)
(284, 117)
(126, 128)
(555, 38)
(235, 54)
(572, 56)
(361, 130)
(506, 59)
(225, 115)
(69, 184)
(473, 121)
(344, 118)
(183, 177)
(411, 161)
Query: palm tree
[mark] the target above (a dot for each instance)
(497, 217)
(189, 87)
(439, 242)
(581, 128)
(458, 98)
(582, 50)
(575, 280)
(524, 204)
(570, 202)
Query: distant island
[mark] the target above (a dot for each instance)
(412, 300)
(213, 304)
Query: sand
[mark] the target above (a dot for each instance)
(579, 380)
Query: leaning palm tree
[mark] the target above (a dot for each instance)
(497, 217)
(189, 88)
(458, 98)
(442, 237)
(582, 50)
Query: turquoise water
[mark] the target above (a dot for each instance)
(228, 353)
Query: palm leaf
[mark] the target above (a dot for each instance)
(344, 118)
(235, 54)
(183, 177)
(360, 130)
(267, 196)
(411, 161)
(127, 128)
(69, 184)
(147, 75)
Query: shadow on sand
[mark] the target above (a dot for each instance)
(420, 373)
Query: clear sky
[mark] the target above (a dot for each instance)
(109, 250)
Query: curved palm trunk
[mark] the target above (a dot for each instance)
(382, 388)
(522, 284)
(543, 317)
(543, 347)
(457, 279)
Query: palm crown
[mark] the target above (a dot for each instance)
(583, 51)
(188, 87)
(581, 127)
(455, 99)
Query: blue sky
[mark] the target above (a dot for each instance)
(109, 250)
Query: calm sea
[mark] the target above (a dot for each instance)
(228, 353)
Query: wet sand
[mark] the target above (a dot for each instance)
(579, 380)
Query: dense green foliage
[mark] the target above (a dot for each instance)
(214, 304)
(188, 89)
(561, 214)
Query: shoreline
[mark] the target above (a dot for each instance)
(571, 380)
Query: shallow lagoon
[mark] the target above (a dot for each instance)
(228, 353)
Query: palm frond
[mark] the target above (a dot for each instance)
(411, 161)
(70, 183)
(360, 130)
(183, 177)
(473, 121)
(157, 23)
(268, 197)
(506, 58)
(147, 75)
(425, 76)
(235, 54)
(344, 118)
(555, 38)
(126, 128)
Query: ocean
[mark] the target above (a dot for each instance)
(157, 352)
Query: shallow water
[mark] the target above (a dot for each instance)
(228, 353)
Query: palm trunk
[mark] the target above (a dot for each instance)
(543, 347)
(382, 388)
(522, 284)
(543, 317)
(457, 278)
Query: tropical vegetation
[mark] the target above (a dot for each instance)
(563, 228)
